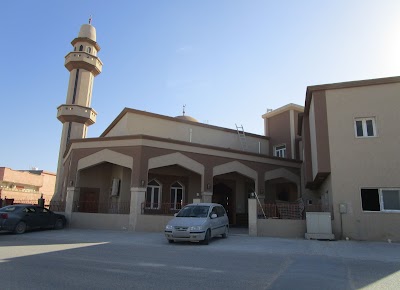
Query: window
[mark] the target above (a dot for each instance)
(88, 49)
(177, 194)
(153, 195)
(365, 127)
(280, 151)
(81, 48)
(383, 199)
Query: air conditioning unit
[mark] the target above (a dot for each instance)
(115, 187)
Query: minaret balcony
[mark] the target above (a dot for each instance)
(83, 60)
(77, 114)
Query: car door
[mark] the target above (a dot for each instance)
(31, 217)
(221, 219)
(45, 217)
(214, 222)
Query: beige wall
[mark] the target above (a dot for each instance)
(281, 228)
(134, 124)
(364, 162)
(24, 185)
(152, 223)
(99, 221)
(279, 132)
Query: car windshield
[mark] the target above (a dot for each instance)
(197, 211)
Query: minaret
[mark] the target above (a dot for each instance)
(76, 114)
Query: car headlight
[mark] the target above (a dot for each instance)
(168, 227)
(196, 228)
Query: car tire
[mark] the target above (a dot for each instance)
(20, 228)
(171, 241)
(225, 234)
(59, 224)
(207, 237)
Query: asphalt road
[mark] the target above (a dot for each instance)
(93, 259)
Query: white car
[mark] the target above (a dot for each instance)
(198, 222)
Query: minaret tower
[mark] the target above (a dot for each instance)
(76, 114)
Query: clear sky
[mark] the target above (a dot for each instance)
(228, 61)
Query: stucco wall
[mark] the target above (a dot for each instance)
(281, 228)
(279, 132)
(364, 162)
(99, 221)
(152, 223)
(134, 123)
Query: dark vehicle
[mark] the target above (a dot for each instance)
(21, 217)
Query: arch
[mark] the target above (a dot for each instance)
(81, 48)
(236, 166)
(106, 155)
(282, 173)
(178, 159)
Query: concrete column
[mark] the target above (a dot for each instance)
(252, 217)
(72, 196)
(138, 197)
(206, 197)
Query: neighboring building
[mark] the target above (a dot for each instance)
(26, 185)
(145, 166)
(351, 138)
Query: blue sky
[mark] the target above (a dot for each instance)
(228, 61)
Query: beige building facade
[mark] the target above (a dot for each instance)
(26, 185)
(351, 162)
(146, 166)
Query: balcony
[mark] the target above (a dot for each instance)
(76, 113)
(83, 60)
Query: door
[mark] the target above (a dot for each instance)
(223, 195)
(89, 200)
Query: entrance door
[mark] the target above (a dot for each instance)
(223, 195)
(89, 200)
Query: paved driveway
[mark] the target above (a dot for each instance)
(94, 259)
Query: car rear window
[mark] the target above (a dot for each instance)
(8, 209)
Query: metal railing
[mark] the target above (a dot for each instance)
(161, 208)
(58, 206)
(282, 210)
(101, 207)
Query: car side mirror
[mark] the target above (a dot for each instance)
(214, 216)
(175, 214)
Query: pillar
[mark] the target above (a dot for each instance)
(206, 197)
(72, 196)
(138, 197)
(252, 217)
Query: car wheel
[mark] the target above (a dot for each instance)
(171, 241)
(59, 224)
(225, 234)
(20, 228)
(207, 237)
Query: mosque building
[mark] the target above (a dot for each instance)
(145, 166)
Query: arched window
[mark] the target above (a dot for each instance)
(88, 49)
(74, 48)
(177, 195)
(153, 194)
(81, 48)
